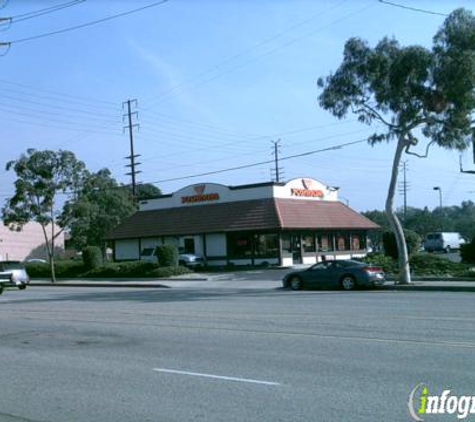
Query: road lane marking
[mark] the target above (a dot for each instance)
(220, 377)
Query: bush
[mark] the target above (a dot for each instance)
(92, 257)
(169, 271)
(429, 264)
(38, 269)
(467, 252)
(167, 255)
(63, 269)
(388, 264)
(413, 242)
(130, 269)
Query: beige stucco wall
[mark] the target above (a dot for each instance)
(26, 244)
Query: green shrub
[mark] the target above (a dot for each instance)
(38, 269)
(467, 252)
(430, 264)
(63, 269)
(167, 255)
(129, 269)
(68, 269)
(92, 257)
(388, 264)
(413, 242)
(169, 271)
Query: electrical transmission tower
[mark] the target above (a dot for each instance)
(129, 116)
(277, 171)
(404, 187)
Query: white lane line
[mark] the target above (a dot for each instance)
(219, 377)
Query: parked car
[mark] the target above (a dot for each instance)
(36, 261)
(191, 260)
(13, 273)
(443, 241)
(345, 273)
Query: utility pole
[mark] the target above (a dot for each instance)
(277, 170)
(133, 172)
(403, 188)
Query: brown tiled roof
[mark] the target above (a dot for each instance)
(259, 214)
(299, 214)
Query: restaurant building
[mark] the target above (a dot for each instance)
(298, 222)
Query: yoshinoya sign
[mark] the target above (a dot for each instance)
(307, 190)
(199, 196)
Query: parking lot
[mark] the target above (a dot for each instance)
(223, 351)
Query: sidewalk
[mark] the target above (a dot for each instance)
(202, 279)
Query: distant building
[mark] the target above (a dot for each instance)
(26, 244)
(301, 221)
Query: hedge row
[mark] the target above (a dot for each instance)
(132, 269)
(422, 265)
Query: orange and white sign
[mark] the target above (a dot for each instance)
(200, 196)
(307, 190)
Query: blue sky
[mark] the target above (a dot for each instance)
(216, 82)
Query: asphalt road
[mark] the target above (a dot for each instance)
(247, 352)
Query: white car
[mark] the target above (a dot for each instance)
(13, 273)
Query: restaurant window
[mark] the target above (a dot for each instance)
(308, 242)
(324, 242)
(358, 241)
(342, 242)
(266, 245)
(286, 243)
(239, 245)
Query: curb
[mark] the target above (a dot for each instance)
(431, 288)
(133, 285)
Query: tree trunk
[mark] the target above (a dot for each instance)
(404, 276)
(50, 251)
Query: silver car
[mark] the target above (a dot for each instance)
(13, 273)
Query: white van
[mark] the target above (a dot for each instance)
(443, 241)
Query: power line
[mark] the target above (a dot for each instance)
(84, 25)
(76, 98)
(171, 91)
(248, 50)
(414, 9)
(41, 12)
(261, 163)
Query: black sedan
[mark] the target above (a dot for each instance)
(345, 273)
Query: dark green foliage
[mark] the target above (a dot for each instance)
(167, 255)
(38, 269)
(422, 264)
(414, 93)
(146, 191)
(100, 205)
(430, 264)
(413, 242)
(63, 269)
(92, 257)
(41, 176)
(467, 252)
(129, 269)
(388, 264)
(135, 269)
(169, 271)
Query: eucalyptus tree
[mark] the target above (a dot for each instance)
(41, 177)
(101, 204)
(416, 94)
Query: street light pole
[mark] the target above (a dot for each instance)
(440, 195)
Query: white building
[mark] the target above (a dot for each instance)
(301, 221)
(25, 244)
